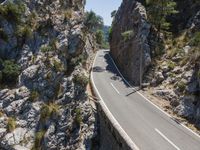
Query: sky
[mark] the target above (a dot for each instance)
(103, 8)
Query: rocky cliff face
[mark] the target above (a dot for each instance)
(129, 40)
(48, 107)
(174, 76)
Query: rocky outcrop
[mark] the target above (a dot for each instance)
(129, 40)
(49, 107)
(174, 75)
(179, 71)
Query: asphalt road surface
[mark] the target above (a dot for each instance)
(147, 126)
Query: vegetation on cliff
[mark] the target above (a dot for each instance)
(95, 24)
(45, 53)
(166, 33)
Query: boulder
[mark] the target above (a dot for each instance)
(159, 78)
(28, 75)
(21, 93)
(186, 108)
(166, 94)
(76, 45)
(14, 107)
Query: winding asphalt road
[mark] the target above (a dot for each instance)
(147, 125)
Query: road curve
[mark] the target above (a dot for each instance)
(146, 125)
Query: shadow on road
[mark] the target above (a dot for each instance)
(112, 69)
(134, 91)
(98, 69)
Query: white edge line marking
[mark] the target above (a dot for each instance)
(161, 134)
(117, 125)
(114, 88)
(150, 101)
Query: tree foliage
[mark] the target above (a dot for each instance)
(10, 71)
(158, 10)
(12, 11)
(93, 22)
(99, 37)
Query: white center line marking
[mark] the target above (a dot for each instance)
(167, 139)
(115, 88)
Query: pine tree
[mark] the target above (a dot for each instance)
(93, 21)
(158, 10)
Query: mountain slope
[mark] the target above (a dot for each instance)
(45, 53)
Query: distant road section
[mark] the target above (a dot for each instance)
(146, 125)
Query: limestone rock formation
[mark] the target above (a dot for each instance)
(48, 108)
(129, 40)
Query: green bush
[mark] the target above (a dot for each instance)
(67, 14)
(81, 79)
(54, 43)
(171, 65)
(48, 110)
(99, 37)
(105, 45)
(46, 48)
(110, 32)
(127, 35)
(78, 117)
(158, 10)
(58, 66)
(38, 140)
(24, 31)
(12, 11)
(173, 52)
(81, 59)
(10, 71)
(11, 124)
(34, 96)
(32, 20)
(181, 86)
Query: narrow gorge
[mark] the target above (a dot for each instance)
(70, 82)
